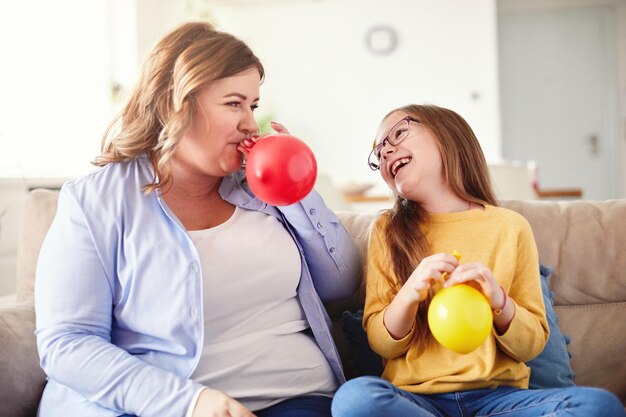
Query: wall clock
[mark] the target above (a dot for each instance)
(381, 40)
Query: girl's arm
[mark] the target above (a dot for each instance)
(378, 296)
(521, 326)
(528, 331)
(400, 315)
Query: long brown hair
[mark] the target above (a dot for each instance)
(163, 100)
(466, 172)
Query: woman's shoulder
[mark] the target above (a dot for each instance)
(114, 182)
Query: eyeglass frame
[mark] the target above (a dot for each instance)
(376, 167)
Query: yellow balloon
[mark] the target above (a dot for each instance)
(460, 318)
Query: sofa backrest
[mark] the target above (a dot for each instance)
(40, 208)
(583, 241)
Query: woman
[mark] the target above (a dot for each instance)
(432, 161)
(164, 287)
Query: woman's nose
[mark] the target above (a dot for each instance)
(248, 124)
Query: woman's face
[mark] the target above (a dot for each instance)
(412, 168)
(223, 118)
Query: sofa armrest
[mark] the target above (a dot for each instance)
(21, 380)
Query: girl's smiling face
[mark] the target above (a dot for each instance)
(413, 167)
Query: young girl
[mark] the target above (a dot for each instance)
(433, 162)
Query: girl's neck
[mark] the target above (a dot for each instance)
(447, 204)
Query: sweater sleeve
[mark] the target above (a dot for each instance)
(378, 296)
(528, 331)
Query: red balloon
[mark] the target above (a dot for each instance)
(281, 169)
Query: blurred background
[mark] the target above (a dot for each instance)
(542, 83)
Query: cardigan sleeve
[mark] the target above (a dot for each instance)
(330, 252)
(74, 306)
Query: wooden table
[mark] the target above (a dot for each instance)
(558, 192)
(359, 198)
(540, 193)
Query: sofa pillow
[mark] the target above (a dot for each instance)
(367, 361)
(550, 369)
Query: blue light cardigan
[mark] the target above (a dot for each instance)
(118, 292)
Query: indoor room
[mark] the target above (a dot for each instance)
(542, 83)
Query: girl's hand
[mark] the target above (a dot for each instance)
(480, 277)
(247, 144)
(279, 128)
(429, 271)
(214, 403)
(400, 315)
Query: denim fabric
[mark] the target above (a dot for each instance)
(373, 397)
(310, 406)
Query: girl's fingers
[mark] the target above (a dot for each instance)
(420, 286)
(247, 144)
(478, 276)
(279, 128)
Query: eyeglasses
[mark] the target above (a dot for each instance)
(397, 134)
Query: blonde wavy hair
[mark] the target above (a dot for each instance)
(162, 103)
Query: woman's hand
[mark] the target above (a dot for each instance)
(480, 277)
(214, 403)
(247, 144)
(279, 128)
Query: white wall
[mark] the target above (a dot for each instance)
(611, 15)
(54, 78)
(321, 82)
(330, 91)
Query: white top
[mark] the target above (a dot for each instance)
(256, 347)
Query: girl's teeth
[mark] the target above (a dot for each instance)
(399, 163)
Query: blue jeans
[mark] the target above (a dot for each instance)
(311, 406)
(372, 396)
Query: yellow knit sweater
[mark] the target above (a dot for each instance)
(503, 241)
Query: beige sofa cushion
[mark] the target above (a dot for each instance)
(583, 241)
(41, 206)
(22, 380)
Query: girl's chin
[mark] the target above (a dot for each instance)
(403, 190)
(399, 186)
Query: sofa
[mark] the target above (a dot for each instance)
(584, 242)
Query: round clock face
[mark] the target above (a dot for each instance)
(381, 40)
